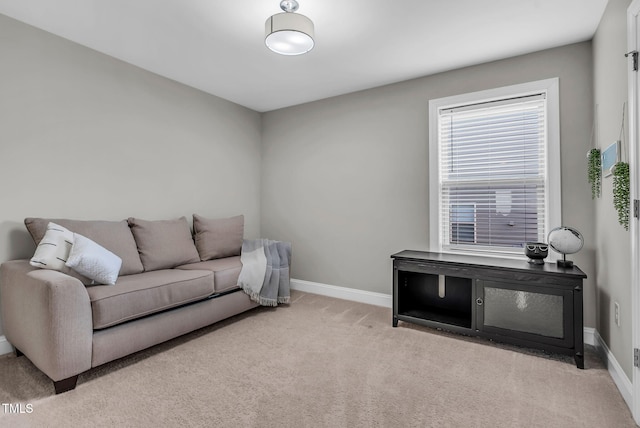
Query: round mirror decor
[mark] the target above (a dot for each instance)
(565, 240)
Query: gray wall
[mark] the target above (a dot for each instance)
(346, 179)
(613, 242)
(85, 136)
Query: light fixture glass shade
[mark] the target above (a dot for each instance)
(289, 34)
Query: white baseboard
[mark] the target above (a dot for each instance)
(615, 370)
(5, 346)
(590, 336)
(368, 297)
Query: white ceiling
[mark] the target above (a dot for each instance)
(218, 45)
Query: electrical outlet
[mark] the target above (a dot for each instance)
(616, 313)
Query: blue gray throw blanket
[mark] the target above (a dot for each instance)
(265, 271)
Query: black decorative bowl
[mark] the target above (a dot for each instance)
(536, 251)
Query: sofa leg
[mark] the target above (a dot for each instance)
(65, 385)
(18, 353)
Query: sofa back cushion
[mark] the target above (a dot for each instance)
(217, 238)
(164, 244)
(115, 236)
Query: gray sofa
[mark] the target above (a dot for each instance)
(170, 283)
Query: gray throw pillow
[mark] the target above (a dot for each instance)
(217, 238)
(164, 244)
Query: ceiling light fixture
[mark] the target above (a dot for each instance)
(289, 33)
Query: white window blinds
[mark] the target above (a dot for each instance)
(492, 169)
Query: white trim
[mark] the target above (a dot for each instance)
(590, 336)
(553, 217)
(368, 297)
(634, 162)
(615, 370)
(5, 346)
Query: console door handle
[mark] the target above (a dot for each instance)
(479, 301)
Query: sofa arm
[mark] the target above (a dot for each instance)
(47, 315)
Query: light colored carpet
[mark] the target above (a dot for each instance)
(322, 362)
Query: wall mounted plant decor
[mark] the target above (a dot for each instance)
(621, 181)
(594, 162)
(621, 192)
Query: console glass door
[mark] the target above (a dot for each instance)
(541, 314)
(523, 311)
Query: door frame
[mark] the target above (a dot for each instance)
(633, 14)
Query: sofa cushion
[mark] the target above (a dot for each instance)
(225, 272)
(217, 238)
(134, 296)
(115, 236)
(163, 244)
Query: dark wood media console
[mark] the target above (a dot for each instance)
(511, 301)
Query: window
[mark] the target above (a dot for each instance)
(494, 169)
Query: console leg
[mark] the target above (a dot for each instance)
(579, 358)
(395, 321)
(65, 385)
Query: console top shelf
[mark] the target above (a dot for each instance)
(467, 261)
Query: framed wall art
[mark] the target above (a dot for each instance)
(610, 156)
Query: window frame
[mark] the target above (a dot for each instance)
(552, 179)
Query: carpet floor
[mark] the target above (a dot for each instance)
(321, 362)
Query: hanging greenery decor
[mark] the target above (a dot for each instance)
(621, 192)
(595, 172)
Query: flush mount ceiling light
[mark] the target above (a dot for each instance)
(289, 33)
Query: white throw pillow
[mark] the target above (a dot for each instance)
(53, 250)
(93, 261)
